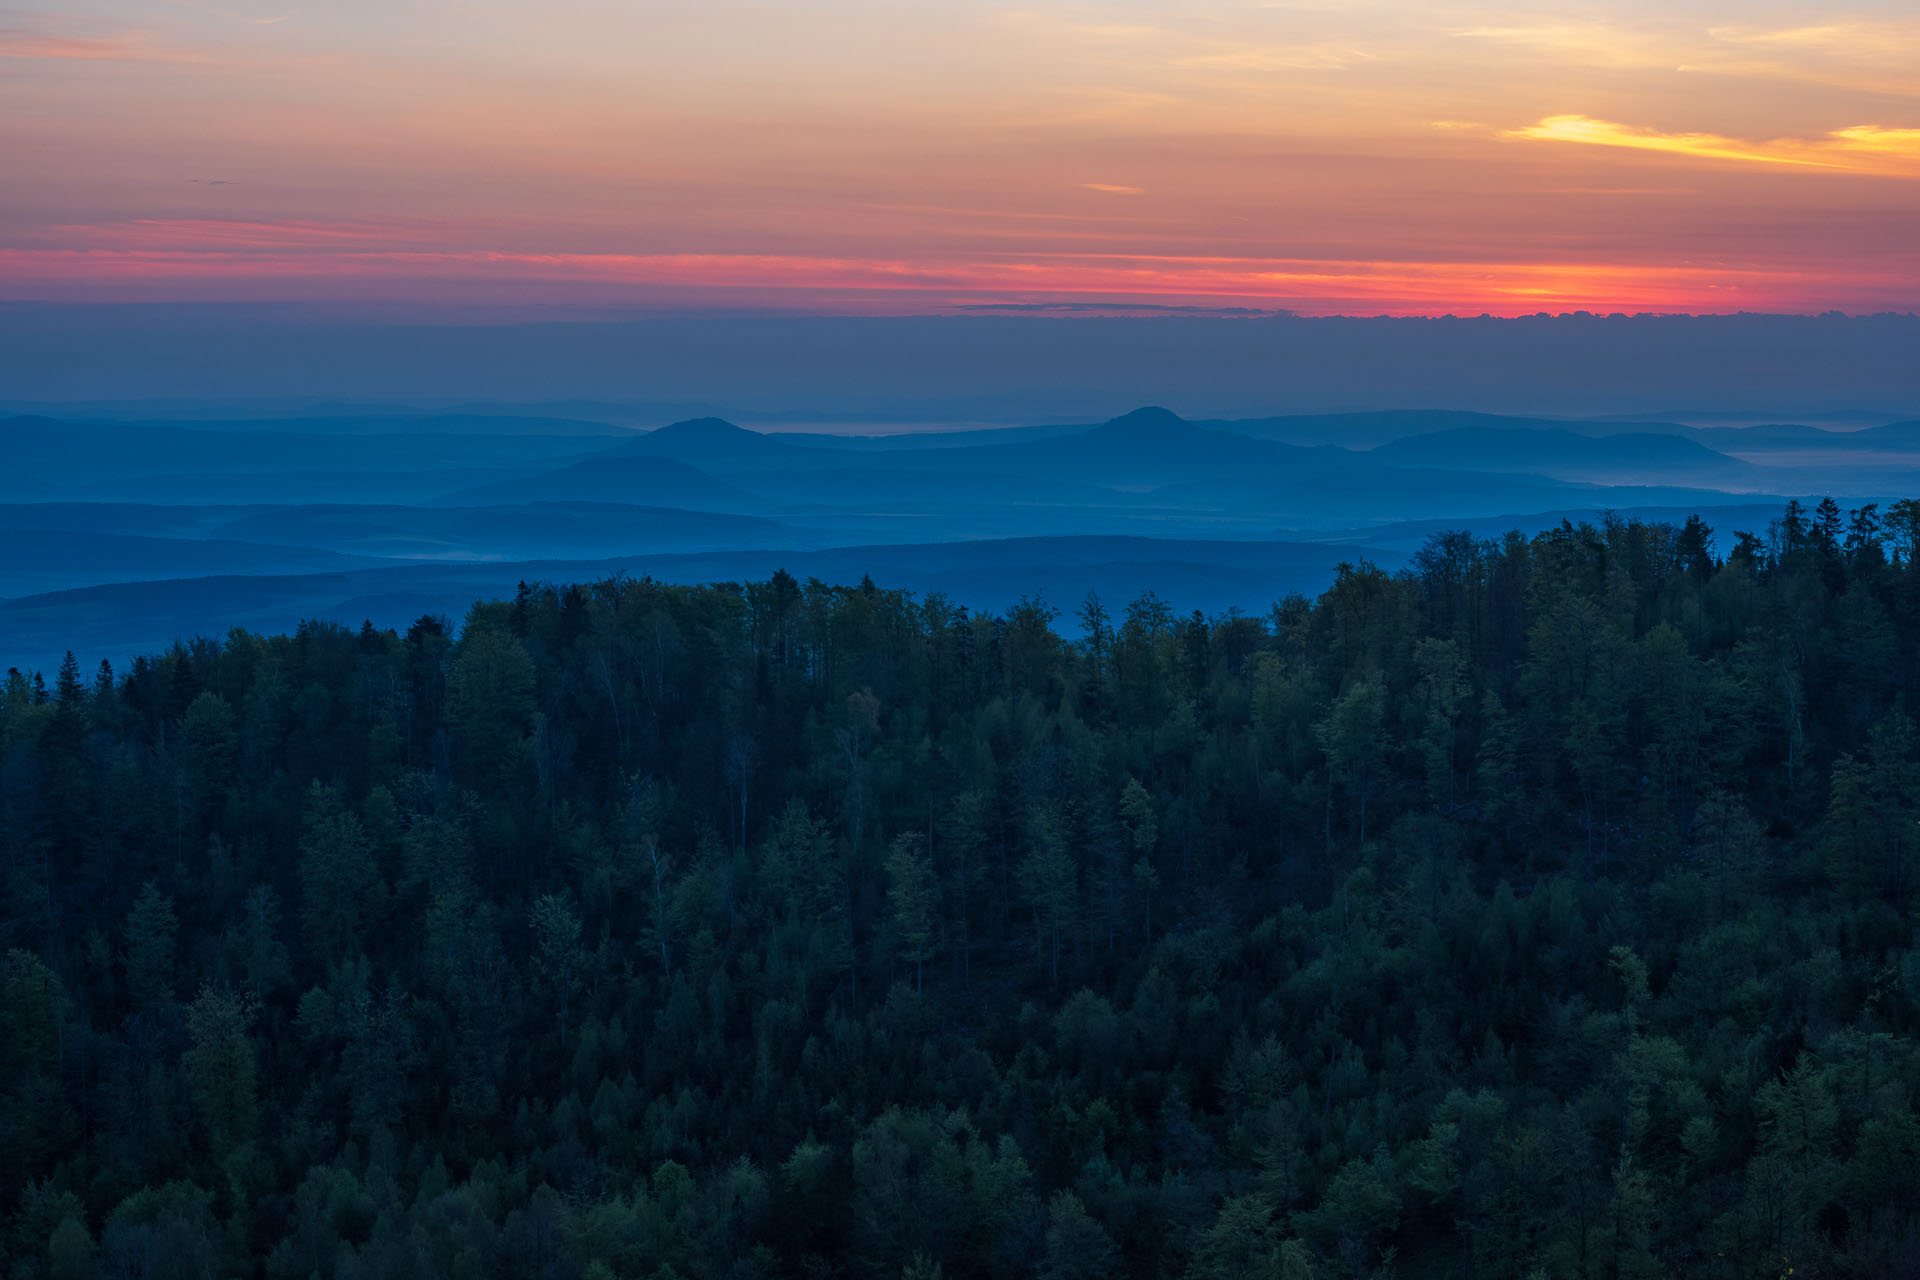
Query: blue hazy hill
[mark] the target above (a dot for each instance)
(118, 620)
(716, 445)
(45, 560)
(529, 530)
(212, 521)
(57, 460)
(638, 481)
(1627, 458)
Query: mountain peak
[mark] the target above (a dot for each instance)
(1150, 419)
(707, 442)
(700, 429)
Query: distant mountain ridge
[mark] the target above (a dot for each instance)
(39, 560)
(1639, 457)
(1370, 429)
(510, 532)
(92, 502)
(391, 423)
(714, 444)
(1895, 437)
(637, 480)
(114, 621)
(1152, 458)
(87, 461)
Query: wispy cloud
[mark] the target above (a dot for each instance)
(1875, 56)
(1866, 41)
(1316, 285)
(1858, 149)
(1110, 188)
(240, 235)
(1285, 57)
(19, 42)
(1583, 43)
(1874, 139)
(1199, 54)
(230, 15)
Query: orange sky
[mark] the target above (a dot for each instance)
(913, 155)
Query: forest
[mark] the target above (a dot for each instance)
(1544, 909)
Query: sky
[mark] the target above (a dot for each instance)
(872, 157)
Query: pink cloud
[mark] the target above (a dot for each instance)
(233, 235)
(17, 42)
(284, 259)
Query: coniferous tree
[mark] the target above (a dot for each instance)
(152, 932)
(911, 892)
(501, 953)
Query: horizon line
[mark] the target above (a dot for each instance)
(453, 313)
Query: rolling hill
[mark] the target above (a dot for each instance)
(39, 560)
(529, 531)
(1630, 458)
(645, 480)
(118, 620)
(719, 447)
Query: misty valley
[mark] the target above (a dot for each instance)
(389, 516)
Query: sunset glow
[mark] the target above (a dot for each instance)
(867, 157)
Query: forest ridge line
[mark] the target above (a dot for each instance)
(1546, 907)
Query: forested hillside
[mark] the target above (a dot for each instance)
(1546, 909)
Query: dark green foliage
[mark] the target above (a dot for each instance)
(1545, 910)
